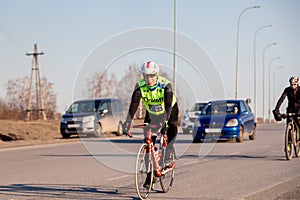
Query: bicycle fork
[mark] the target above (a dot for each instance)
(294, 139)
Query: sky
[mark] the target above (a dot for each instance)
(80, 37)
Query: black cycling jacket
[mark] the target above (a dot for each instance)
(136, 97)
(293, 99)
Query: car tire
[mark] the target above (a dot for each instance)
(197, 140)
(64, 134)
(253, 135)
(241, 136)
(98, 130)
(120, 129)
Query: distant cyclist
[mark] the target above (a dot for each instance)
(157, 96)
(293, 95)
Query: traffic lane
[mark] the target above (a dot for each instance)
(234, 170)
(230, 170)
(64, 171)
(71, 172)
(286, 190)
(71, 154)
(231, 177)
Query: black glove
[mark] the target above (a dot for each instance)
(164, 128)
(277, 115)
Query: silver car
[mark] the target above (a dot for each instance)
(190, 116)
(93, 117)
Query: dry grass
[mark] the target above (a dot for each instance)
(11, 130)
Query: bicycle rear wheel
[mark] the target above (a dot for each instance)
(288, 144)
(167, 176)
(296, 147)
(144, 166)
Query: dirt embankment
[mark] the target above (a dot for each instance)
(15, 133)
(12, 130)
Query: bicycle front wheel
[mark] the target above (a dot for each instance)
(167, 176)
(296, 146)
(288, 144)
(144, 168)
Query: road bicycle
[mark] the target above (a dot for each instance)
(150, 160)
(291, 140)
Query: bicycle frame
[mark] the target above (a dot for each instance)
(161, 152)
(291, 135)
(152, 163)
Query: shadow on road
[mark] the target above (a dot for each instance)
(65, 191)
(237, 157)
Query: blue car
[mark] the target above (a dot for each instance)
(225, 119)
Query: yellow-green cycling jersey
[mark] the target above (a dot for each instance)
(153, 97)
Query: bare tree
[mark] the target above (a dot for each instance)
(3, 109)
(97, 85)
(16, 97)
(49, 99)
(126, 85)
(17, 93)
(112, 81)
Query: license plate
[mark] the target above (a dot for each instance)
(213, 130)
(73, 125)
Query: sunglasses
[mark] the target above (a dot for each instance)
(294, 84)
(149, 75)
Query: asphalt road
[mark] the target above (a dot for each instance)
(102, 169)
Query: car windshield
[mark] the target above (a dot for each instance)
(197, 107)
(221, 108)
(83, 107)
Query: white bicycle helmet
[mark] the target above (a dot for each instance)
(150, 67)
(294, 80)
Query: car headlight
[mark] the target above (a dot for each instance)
(63, 120)
(88, 119)
(232, 122)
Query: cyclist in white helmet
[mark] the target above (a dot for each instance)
(157, 96)
(293, 95)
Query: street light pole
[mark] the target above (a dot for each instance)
(174, 56)
(269, 111)
(237, 49)
(254, 78)
(263, 93)
(280, 67)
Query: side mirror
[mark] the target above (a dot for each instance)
(248, 101)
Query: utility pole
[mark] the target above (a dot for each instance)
(35, 71)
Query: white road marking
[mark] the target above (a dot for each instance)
(190, 163)
(117, 178)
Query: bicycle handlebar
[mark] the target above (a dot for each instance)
(289, 115)
(145, 125)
